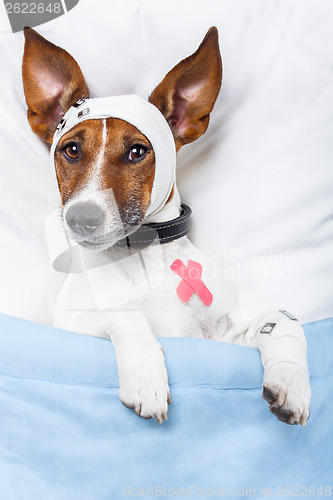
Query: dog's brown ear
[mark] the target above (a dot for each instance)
(187, 94)
(52, 82)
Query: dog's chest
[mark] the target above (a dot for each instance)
(144, 280)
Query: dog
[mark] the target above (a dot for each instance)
(114, 160)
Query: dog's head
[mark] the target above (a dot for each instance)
(106, 167)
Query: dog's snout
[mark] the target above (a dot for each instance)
(84, 218)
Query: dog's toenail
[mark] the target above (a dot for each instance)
(268, 395)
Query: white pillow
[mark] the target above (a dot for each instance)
(259, 181)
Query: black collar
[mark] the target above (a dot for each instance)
(147, 234)
(160, 232)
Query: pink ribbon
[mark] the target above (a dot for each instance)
(191, 281)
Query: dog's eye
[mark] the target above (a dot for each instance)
(71, 151)
(137, 153)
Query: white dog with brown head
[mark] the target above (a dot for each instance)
(135, 276)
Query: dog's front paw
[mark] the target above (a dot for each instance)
(144, 383)
(287, 390)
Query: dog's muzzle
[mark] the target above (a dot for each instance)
(85, 218)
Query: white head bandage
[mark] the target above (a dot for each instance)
(145, 117)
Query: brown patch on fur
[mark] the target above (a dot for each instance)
(52, 82)
(130, 182)
(187, 94)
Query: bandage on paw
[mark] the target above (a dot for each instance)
(283, 341)
(280, 338)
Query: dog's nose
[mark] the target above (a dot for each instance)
(84, 218)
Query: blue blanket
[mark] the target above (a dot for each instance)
(65, 435)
